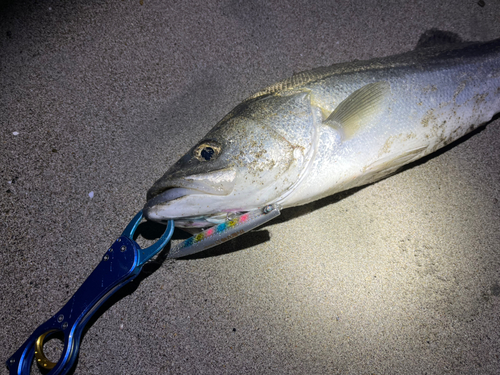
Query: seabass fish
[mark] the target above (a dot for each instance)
(331, 129)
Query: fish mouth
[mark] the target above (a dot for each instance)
(157, 208)
(190, 209)
(190, 197)
(219, 182)
(171, 194)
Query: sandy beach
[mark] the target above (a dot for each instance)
(98, 100)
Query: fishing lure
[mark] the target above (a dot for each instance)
(226, 231)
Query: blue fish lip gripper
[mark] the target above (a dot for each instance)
(121, 264)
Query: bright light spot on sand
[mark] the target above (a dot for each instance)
(15, 133)
(91, 194)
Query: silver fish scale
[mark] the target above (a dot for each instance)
(293, 143)
(420, 58)
(432, 103)
(291, 116)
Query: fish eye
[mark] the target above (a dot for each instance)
(206, 151)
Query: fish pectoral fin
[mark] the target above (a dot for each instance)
(360, 109)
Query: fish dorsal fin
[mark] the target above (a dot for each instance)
(297, 80)
(360, 109)
(430, 38)
(435, 38)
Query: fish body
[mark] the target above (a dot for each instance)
(331, 129)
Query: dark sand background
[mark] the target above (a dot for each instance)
(400, 277)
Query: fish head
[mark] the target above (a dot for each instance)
(246, 161)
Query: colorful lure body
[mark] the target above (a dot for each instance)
(224, 232)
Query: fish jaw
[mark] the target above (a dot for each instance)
(191, 206)
(189, 196)
(218, 182)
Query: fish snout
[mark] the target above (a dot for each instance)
(174, 197)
